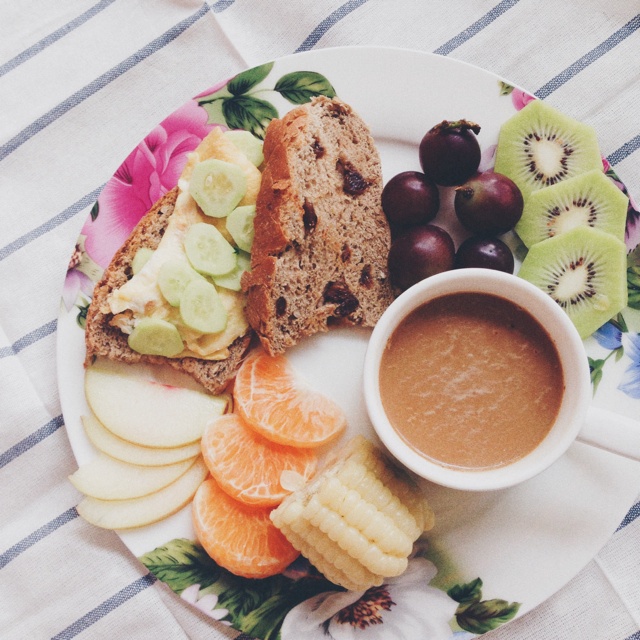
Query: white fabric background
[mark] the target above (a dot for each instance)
(81, 83)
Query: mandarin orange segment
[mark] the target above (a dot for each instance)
(239, 537)
(249, 467)
(274, 403)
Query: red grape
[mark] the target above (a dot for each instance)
(484, 253)
(410, 198)
(418, 253)
(450, 153)
(489, 204)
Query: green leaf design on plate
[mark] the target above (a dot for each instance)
(596, 366)
(484, 616)
(467, 593)
(299, 87)
(83, 309)
(181, 563)
(265, 620)
(247, 112)
(505, 88)
(633, 279)
(94, 211)
(248, 79)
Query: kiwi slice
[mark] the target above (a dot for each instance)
(539, 146)
(590, 199)
(585, 271)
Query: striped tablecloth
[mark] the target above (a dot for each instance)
(81, 83)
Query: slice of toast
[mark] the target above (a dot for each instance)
(103, 339)
(321, 238)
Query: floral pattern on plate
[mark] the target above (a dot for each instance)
(279, 607)
(301, 600)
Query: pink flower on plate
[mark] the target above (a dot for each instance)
(520, 98)
(149, 171)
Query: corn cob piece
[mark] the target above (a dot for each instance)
(357, 520)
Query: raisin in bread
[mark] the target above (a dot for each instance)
(321, 237)
(102, 339)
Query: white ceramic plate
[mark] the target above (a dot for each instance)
(523, 543)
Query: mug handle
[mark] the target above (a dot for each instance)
(612, 432)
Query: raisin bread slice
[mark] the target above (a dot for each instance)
(102, 339)
(321, 238)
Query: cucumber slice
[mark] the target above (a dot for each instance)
(208, 251)
(231, 280)
(240, 225)
(140, 259)
(217, 186)
(248, 144)
(155, 337)
(201, 308)
(173, 277)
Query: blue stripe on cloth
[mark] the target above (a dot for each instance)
(100, 82)
(341, 12)
(50, 224)
(476, 27)
(634, 636)
(221, 5)
(632, 515)
(106, 607)
(13, 552)
(28, 339)
(597, 52)
(31, 441)
(624, 151)
(53, 37)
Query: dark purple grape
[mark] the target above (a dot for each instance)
(410, 198)
(418, 253)
(450, 153)
(489, 204)
(484, 253)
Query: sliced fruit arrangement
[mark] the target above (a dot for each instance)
(257, 456)
(357, 520)
(147, 435)
(574, 217)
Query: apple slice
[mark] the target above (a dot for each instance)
(110, 479)
(138, 512)
(105, 441)
(146, 412)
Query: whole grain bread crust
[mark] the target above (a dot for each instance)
(104, 340)
(321, 241)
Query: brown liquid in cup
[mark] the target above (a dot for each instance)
(471, 380)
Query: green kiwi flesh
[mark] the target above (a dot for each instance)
(585, 271)
(590, 199)
(539, 146)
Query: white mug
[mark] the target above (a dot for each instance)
(575, 418)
